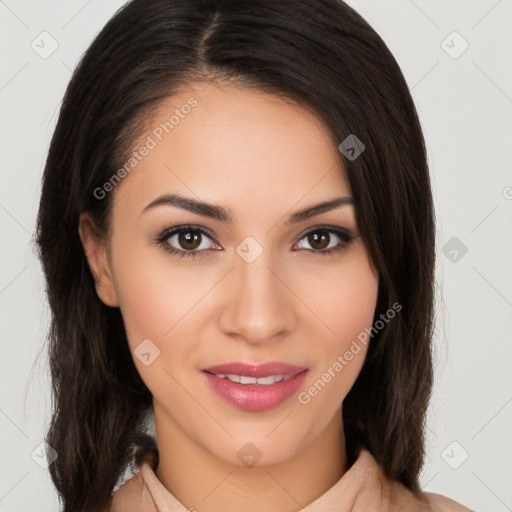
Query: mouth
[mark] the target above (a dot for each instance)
(262, 381)
(255, 387)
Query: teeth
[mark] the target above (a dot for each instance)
(265, 381)
(271, 379)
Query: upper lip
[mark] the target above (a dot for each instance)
(255, 370)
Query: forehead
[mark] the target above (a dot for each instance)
(233, 145)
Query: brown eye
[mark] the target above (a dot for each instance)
(189, 240)
(185, 241)
(324, 240)
(319, 240)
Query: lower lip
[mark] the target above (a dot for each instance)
(255, 397)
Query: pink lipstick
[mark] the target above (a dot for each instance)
(255, 387)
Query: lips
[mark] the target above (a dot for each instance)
(254, 396)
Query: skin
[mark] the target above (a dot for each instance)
(263, 159)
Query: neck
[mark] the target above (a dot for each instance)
(198, 479)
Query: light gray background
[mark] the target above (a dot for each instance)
(465, 106)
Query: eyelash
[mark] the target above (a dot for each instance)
(344, 235)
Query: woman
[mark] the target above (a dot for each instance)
(237, 231)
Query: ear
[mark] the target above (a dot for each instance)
(97, 257)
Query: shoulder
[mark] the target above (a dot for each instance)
(440, 503)
(131, 497)
(401, 498)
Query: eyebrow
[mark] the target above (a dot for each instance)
(223, 215)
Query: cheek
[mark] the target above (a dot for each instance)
(146, 292)
(346, 306)
(345, 297)
(356, 301)
(151, 306)
(144, 306)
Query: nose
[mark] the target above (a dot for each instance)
(258, 305)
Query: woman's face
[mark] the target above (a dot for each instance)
(261, 287)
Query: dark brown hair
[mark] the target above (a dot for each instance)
(318, 53)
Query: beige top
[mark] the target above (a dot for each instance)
(363, 488)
